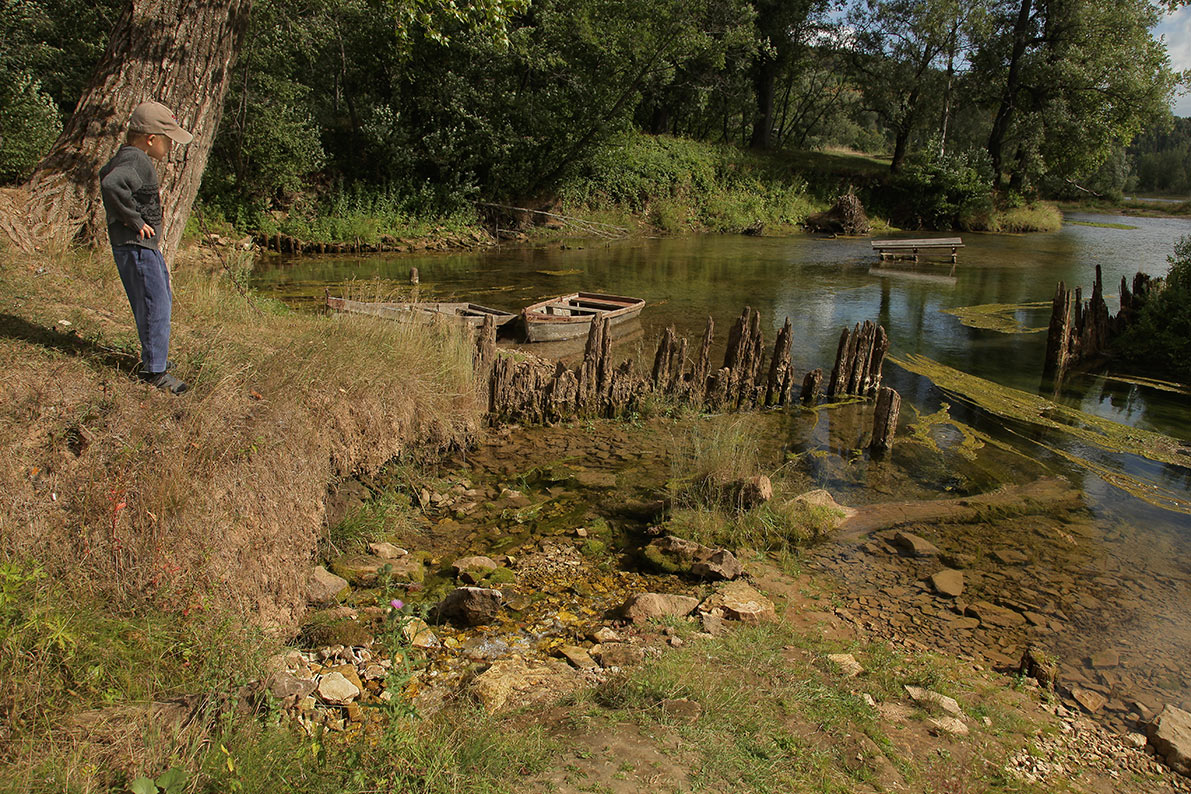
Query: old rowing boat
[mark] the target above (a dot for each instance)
(469, 315)
(569, 316)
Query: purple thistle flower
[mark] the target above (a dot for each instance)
(397, 603)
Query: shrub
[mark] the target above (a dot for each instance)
(29, 124)
(1161, 336)
(943, 191)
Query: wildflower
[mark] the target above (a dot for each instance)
(397, 603)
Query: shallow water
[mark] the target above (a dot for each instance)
(823, 285)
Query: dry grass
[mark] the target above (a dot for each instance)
(214, 498)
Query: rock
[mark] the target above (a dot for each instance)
(595, 479)
(374, 672)
(948, 582)
(604, 634)
(473, 569)
(335, 689)
(513, 683)
(648, 606)
(754, 492)
(323, 586)
(1090, 701)
(1009, 556)
(1170, 735)
(682, 709)
(365, 569)
(994, 615)
(471, 606)
(1040, 666)
(721, 564)
(1138, 741)
(387, 551)
(1105, 659)
(418, 634)
(578, 657)
(822, 498)
(283, 685)
(619, 654)
(927, 698)
(714, 625)
(846, 663)
(913, 545)
(677, 555)
(951, 725)
(964, 624)
(739, 601)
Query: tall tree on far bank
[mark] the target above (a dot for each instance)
(901, 48)
(784, 29)
(1071, 80)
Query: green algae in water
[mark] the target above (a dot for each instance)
(1097, 433)
(925, 431)
(997, 316)
(1102, 225)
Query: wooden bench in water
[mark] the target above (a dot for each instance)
(911, 249)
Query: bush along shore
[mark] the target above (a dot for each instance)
(645, 184)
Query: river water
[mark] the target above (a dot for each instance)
(1137, 541)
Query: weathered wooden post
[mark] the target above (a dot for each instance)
(889, 405)
(414, 278)
(810, 387)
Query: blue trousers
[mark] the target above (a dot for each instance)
(148, 286)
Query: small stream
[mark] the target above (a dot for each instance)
(1114, 576)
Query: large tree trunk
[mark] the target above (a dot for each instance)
(177, 52)
(1000, 128)
(765, 86)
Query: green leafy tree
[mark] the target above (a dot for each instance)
(1070, 81)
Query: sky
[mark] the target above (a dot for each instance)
(1176, 28)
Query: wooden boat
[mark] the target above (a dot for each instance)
(569, 316)
(468, 315)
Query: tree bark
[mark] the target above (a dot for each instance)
(765, 85)
(177, 52)
(1000, 128)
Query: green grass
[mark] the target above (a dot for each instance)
(1125, 226)
(383, 516)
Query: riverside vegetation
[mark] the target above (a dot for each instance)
(155, 552)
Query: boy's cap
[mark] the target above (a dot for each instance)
(154, 118)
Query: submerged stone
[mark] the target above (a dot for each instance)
(948, 582)
(914, 545)
(471, 606)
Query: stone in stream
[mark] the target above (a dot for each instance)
(1170, 735)
(586, 478)
(336, 689)
(677, 555)
(948, 582)
(739, 601)
(1090, 700)
(365, 569)
(322, 586)
(471, 606)
(472, 569)
(993, 615)
(578, 657)
(513, 683)
(914, 545)
(1009, 556)
(387, 551)
(1103, 660)
(418, 634)
(644, 607)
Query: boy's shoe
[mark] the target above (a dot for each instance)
(165, 382)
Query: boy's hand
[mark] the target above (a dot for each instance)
(146, 232)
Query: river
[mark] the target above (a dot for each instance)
(1137, 542)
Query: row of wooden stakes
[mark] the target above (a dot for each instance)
(525, 389)
(1081, 333)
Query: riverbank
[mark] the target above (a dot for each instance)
(637, 185)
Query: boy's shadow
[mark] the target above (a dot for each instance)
(19, 328)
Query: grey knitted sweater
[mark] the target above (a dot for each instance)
(131, 198)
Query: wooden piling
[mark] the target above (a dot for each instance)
(889, 404)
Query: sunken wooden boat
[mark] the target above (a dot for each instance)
(569, 316)
(466, 315)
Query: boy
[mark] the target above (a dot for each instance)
(133, 206)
